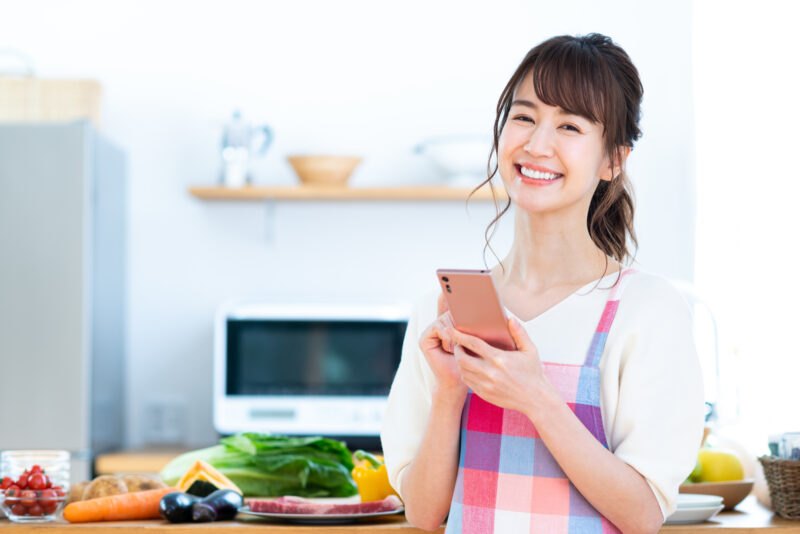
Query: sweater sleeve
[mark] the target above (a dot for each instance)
(409, 401)
(658, 424)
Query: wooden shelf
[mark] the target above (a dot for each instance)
(423, 193)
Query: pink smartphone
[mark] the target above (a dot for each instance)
(475, 305)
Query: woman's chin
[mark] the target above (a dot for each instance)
(533, 201)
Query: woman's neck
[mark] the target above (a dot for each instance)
(550, 251)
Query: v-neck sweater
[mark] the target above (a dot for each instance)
(651, 386)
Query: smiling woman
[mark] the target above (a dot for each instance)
(583, 427)
(588, 97)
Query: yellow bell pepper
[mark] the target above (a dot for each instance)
(371, 477)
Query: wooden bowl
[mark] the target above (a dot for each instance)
(732, 492)
(324, 170)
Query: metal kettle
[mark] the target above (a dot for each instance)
(240, 142)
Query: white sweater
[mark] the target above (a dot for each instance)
(651, 387)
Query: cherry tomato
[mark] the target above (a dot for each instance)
(28, 498)
(59, 491)
(35, 510)
(18, 509)
(36, 469)
(49, 482)
(12, 494)
(49, 507)
(37, 481)
(22, 482)
(47, 495)
(7, 481)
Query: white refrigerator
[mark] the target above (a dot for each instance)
(62, 290)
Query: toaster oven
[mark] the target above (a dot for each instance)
(306, 369)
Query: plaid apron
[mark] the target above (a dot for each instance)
(508, 481)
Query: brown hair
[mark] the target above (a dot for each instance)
(592, 77)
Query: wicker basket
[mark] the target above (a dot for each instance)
(28, 99)
(783, 478)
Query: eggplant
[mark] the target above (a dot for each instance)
(203, 513)
(218, 506)
(176, 507)
(179, 507)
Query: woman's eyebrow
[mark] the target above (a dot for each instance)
(526, 103)
(532, 105)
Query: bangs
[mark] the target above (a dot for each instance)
(571, 76)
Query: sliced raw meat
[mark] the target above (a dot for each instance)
(298, 505)
(386, 505)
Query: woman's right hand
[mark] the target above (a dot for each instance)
(438, 348)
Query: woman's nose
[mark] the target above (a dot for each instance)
(540, 143)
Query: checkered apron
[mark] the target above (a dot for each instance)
(508, 482)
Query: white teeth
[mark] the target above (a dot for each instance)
(538, 175)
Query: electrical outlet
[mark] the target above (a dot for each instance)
(164, 421)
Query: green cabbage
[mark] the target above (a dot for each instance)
(265, 465)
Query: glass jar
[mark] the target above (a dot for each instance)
(36, 497)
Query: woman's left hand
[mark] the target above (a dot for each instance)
(510, 379)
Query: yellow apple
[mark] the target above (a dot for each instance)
(696, 473)
(719, 465)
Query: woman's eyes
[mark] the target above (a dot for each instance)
(568, 127)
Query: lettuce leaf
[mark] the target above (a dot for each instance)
(266, 465)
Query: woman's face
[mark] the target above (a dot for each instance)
(549, 160)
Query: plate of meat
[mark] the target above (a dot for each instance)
(300, 510)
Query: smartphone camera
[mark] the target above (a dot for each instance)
(445, 279)
(448, 288)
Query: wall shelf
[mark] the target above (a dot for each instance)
(305, 192)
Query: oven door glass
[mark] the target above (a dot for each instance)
(279, 357)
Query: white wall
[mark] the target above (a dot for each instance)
(367, 78)
(748, 185)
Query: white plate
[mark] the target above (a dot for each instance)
(697, 500)
(683, 516)
(318, 519)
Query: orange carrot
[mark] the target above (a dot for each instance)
(136, 505)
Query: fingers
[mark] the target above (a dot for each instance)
(475, 344)
(520, 335)
(467, 362)
(438, 334)
(474, 371)
(447, 341)
(441, 305)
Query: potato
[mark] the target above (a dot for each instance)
(103, 486)
(76, 492)
(141, 482)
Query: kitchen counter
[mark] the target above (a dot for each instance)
(748, 518)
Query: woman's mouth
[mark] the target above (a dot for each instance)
(537, 177)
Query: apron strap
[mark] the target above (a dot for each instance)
(609, 312)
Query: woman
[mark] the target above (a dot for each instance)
(593, 423)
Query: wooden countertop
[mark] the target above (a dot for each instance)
(748, 518)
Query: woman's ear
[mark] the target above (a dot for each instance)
(620, 156)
